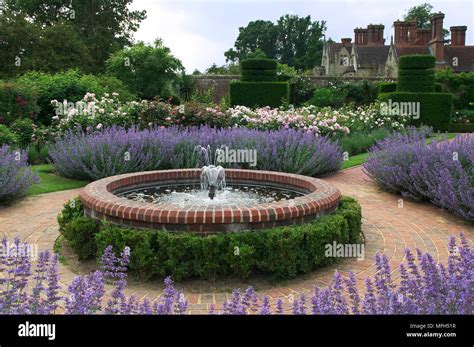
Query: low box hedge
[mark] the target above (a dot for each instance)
(281, 252)
(258, 64)
(259, 94)
(462, 128)
(417, 61)
(435, 108)
(387, 87)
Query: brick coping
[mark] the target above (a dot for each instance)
(101, 203)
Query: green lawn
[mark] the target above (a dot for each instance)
(51, 182)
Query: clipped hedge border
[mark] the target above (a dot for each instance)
(387, 87)
(462, 128)
(281, 252)
(259, 94)
(417, 61)
(435, 108)
(258, 64)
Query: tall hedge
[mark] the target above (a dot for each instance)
(259, 94)
(416, 84)
(259, 85)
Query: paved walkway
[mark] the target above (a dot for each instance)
(387, 227)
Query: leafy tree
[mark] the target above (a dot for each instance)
(230, 69)
(257, 34)
(149, 70)
(422, 14)
(293, 40)
(88, 30)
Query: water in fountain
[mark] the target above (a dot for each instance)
(212, 189)
(212, 176)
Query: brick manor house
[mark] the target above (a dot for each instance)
(369, 56)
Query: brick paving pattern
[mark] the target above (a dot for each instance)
(388, 226)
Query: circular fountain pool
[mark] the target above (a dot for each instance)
(172, 200)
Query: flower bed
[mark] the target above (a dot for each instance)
(425, 287)
(91, 113)
(438, 172)
(15, 174)
(114, 151)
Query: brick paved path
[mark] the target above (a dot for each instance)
(386, 226)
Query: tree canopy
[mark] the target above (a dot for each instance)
(149, 70)
(292, 40)
(58, 34)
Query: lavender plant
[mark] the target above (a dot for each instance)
(439, 172)
(15, 174)
(425, 287)
(115, 150)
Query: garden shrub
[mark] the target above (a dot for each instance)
(23, 129)
(416, 84)
(462, 128)
(17, 100)
(461, 85)
(70, 85)
(16, 176)
(435, 108)
(360, 141)
(100, 154)
(363, 93)
(327, 97)
(301, 89)
(438, 172)
(80, 233)
(7, 136)
(281, 252)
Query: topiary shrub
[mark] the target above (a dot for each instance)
(281, 252)
(435, 108)
(259, 94)
(417, 61)
(259, 85)
(416, 87)
(259, 64)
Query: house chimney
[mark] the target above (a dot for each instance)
(375, 35)
(437, 26)
(458, 35)
(346, 41)
(422, 37)
(436, 43)
(360, 36)
(401, 32)
(411, 32)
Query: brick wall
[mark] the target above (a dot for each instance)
(221, 83)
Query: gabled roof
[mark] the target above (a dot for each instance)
(408, 50)
(371, 56)
(334, 48)
(465, 55)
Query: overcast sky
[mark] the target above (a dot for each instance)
(200, 31)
